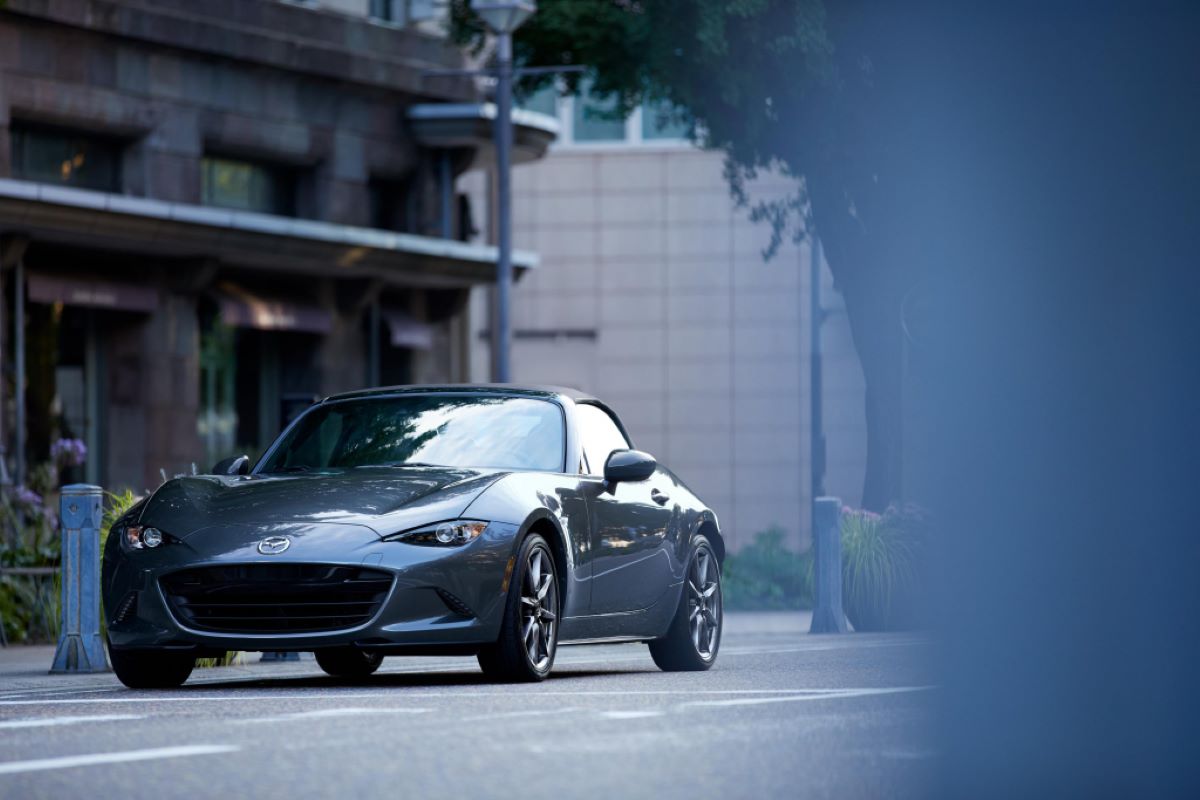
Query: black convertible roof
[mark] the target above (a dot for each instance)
(481, 388)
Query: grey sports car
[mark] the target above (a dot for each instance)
(490, 520)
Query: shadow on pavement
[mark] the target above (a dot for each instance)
(392, 680)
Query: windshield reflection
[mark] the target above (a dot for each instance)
(480, 432)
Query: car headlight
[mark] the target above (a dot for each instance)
(454, 533)
(144, 537)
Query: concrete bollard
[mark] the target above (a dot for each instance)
(79, 645)
(828, 616)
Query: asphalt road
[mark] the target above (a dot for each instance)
(783, 714)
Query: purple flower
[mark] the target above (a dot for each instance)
(68, 452)
(27, 498)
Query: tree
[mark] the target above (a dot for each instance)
(778, 85)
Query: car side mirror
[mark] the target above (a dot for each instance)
(238, 465)
(628, 466)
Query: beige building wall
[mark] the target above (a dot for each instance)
(653, 294)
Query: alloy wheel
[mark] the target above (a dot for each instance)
(539, 609)
(704, 604)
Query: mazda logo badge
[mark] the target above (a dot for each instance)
(274, 545)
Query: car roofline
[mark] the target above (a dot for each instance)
(467, 388)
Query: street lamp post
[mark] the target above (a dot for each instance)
(502, 18)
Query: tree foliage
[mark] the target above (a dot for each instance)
(791, 86)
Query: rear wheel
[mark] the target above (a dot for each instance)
(692, 642)
(348, 662)
(529, 631)
(151, 669)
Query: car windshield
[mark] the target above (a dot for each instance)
(443, 430)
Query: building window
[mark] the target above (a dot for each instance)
(247, 186)
(388, 11)
(543, 101)
(661, 120)
(593, 118)
(52, 155)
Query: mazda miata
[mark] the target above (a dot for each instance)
(493, 521)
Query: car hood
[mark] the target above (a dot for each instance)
(385, 499)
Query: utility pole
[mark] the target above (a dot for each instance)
(502, 18)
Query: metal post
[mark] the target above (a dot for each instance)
(828, 616)
(373, 325)
(504, 272)
(79, 645)
(816, 391)
(19, 363)
(446, 191)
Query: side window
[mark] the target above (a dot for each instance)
(598, 436)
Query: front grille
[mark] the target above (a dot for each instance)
(275, 598)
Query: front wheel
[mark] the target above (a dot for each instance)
(692, 641)
(529, 631)
(348, 662)
(151, 669)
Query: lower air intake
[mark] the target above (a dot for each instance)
(276, 598)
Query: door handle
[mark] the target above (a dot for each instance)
(659, 497)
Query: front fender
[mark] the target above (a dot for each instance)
(554, 505)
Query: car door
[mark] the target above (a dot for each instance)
(631, 563)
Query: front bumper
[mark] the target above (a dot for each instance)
(441, 598)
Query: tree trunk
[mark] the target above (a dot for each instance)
(872, 287)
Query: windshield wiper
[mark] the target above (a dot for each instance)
(295, 468)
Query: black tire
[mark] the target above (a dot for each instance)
(530, 619)
(151, 669)
(684, 649)
(348, 662)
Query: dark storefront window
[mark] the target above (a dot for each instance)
(217, 424)
(53, 155)
(247, 186)
(391, 205)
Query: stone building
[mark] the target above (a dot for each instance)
(211, 213)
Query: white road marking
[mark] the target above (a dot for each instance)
(383, 694)
(514, 714)
(630, 714)
(57, 692)
(63, 762)
(835, 694)
(325, 713)
(49, 722)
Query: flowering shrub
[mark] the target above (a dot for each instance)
(68, 452)
(29, 537)
(28, 604)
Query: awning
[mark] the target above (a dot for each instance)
(120, 223)
(241, 309)
(91, 293)
(408, 332)
(472, 126)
